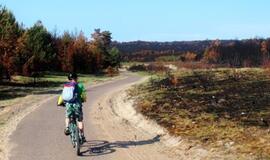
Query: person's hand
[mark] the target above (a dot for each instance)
(61, 105)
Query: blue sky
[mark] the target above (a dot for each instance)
(151, 20)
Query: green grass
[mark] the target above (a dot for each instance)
(50, 77)
(209, 106)
(131, 63)
(50, 83)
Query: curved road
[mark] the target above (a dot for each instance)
(40, 134)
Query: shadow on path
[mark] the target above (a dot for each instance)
(102, 147)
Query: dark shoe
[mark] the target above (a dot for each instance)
(66, 131)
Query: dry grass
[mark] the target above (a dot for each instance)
(220, 108)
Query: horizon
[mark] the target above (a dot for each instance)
(252, 38)
(151, 21)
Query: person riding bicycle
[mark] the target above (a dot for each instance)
(73, 95)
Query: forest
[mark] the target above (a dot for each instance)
(30, 51)
(233, 53)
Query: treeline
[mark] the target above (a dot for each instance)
(149, 55)
(245, 53)
(250, 52)
(174, 47)
(29, 51)
(149, 51)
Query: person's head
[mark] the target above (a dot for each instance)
(72, 76)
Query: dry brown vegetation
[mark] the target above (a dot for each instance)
(220, 108)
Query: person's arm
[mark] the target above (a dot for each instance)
(83, 93)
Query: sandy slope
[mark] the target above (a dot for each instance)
(117, 119)
(112, 118)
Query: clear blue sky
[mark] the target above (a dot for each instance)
(151, 20)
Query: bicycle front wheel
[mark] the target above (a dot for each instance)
(77, 141)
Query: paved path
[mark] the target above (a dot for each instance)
(39, 136)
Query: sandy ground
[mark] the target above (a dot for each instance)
(112, 119)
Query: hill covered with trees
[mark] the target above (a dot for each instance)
(149, 51)
(249, 52)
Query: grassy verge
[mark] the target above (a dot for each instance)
(20, 87)
(227, 109)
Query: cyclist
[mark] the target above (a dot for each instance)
(75, 104)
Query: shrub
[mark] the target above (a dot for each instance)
(145, 106)
(157, 67)
(190, 56)
(110, 71)
(138, 67)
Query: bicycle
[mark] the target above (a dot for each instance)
(75, 135)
